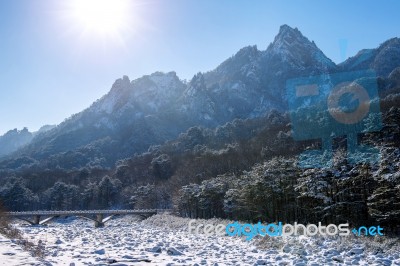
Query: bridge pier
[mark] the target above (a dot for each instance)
(36, 220)
(99, 220)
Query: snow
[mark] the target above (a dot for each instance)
(164, 86)
(165, 240)
(13, 254)
(107, 103)
(152, 91)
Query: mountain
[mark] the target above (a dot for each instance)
(383, 59)
(13, 140)
(130, 118)
(43, 129)
(155, 108)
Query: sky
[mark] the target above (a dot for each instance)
(54, 62)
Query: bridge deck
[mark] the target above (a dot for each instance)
(86, 212)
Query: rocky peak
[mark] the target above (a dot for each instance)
(121, 83)
(165, 81)
(245, 56)
(248, 52)
(293, 49)
(288, 33)
(13, 140)
(197, 80)
(288, 38)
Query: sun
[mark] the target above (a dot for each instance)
(101, 16)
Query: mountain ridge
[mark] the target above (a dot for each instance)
(155, 108)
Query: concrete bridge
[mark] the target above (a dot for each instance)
(100, 217)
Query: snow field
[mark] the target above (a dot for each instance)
(164, 240)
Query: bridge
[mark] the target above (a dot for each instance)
(100, 217)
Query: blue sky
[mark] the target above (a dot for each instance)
(50, 68)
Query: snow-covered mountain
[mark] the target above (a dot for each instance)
(383, 59)
(152, 109)
(15, 139)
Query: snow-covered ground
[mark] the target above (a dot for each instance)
(13, 254)
(164, 240)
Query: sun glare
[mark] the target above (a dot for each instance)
(101, 16)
